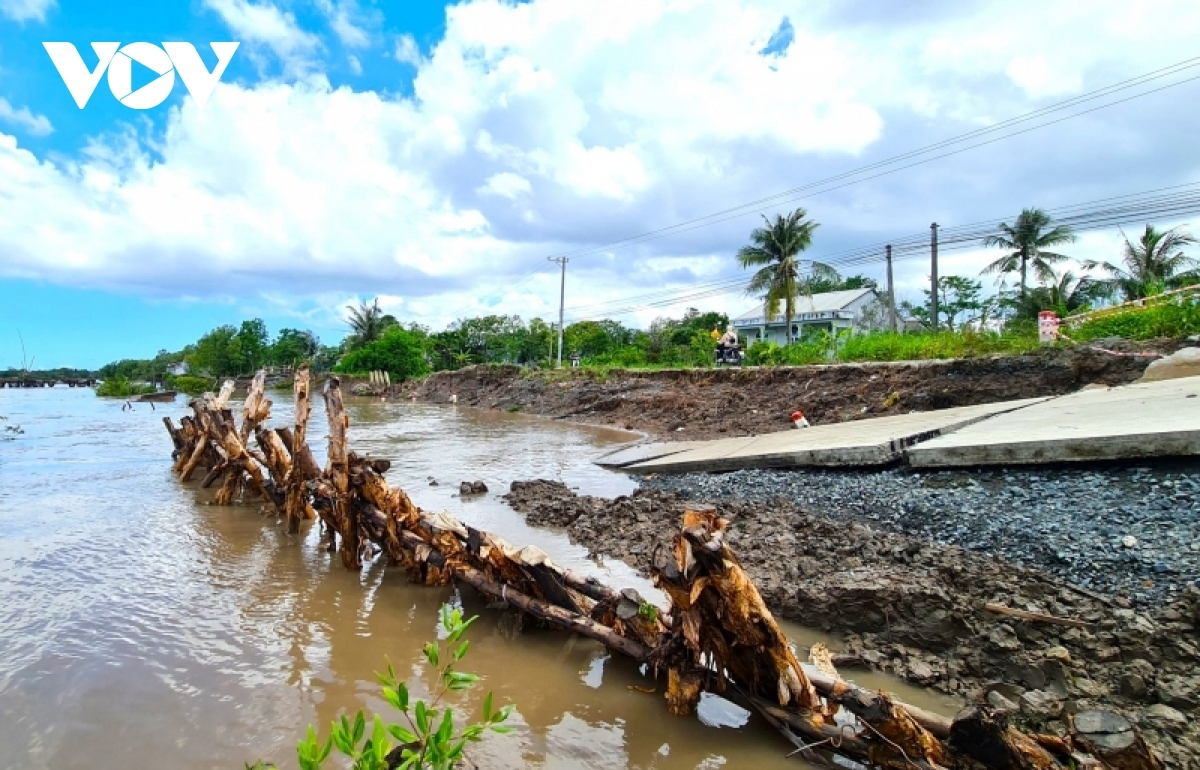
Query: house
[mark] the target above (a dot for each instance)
(179, 369)
(829, 311)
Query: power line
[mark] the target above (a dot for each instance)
(1173, 201)
(812, 188)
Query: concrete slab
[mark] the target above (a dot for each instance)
(642, 452)
(1153, 419)
(862, 442)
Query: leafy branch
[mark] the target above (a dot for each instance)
(427, 740)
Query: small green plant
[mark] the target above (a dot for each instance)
(648, 612)
(428, 740)
(1170, 319)
(119, 387)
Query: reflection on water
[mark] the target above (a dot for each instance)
(140, 626)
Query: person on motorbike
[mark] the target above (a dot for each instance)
(728, 343)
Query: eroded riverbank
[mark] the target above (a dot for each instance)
(918, 609)
(717, 403)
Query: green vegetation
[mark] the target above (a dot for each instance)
(775, 252)
(192, 385)
(1154, 264)
(119, 387)
(1178, 318)
(62, 373)
(1028, 239)
(399, 352)
(848, 347)
(428, 739)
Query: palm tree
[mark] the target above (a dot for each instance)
(1028, 238)
(780, 279)
(1152, 265)
(366, 323)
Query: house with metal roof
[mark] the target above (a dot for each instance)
(828, 311)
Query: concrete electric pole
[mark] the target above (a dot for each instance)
(562, 298)
(933, 276)
(891, 290)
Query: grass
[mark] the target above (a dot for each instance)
(119, 387)
(1170, 319)
(890, 346)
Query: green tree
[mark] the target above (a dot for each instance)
(1028, 239)
(775, 251)
(960, 302)
(250, 346)
(398, 352)
(366, 323)
(838, 283)
(293, 346)
(1154, 264)
(214, 353)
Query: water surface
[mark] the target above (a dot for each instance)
(140, 626)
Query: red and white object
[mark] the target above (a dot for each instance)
(1047, 326)
(798, 419)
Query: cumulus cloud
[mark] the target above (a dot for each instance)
(344, 17)
(38, 125)
(264, 25)
(26, 10)
(552, 126)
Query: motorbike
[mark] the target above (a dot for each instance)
(730, 356)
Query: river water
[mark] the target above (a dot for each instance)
(141, 626)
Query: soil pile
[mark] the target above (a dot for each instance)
(714, 403)
(918, 609)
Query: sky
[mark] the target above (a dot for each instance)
(434, 155)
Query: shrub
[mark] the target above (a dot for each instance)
(119, 387)
(192, 385)
(398, 352)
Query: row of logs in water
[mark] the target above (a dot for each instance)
(716, 636)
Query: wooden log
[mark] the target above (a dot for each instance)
(337, 471)
(984, 735)
(1000, 609)
(257, 407)
(304, 467)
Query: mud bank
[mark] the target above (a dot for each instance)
(918, 610)
(714, 403)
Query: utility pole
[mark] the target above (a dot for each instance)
(562, 298)
(933, 276)
(891, 290)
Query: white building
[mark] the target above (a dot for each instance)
(179, 369)
(853, 309)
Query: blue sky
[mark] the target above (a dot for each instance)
(433, 156)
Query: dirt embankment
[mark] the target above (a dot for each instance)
(715, 403)
(918, 609)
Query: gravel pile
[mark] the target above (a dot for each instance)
(1133, 531)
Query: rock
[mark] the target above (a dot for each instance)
(1060, 654)
(920, 672)
(472, 488)
(1162, 715)
(1000, 703)
(1003, 637)
(1133, 686)
(1129, 541)
(1184, 362)
(1180, 692)
(1040, 704)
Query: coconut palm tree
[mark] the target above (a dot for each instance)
(1153, 264)
(782, 277)
(366, 323)
(1027, 239)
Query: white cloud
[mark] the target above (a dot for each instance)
(342, 16)
(38, 125)
(407, 51)
(26, 10)
(507, 185)
(552, 126)
(355, 65)
(263, 24)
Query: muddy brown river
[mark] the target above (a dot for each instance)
(141, 627)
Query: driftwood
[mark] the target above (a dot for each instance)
(717, 635)
(1000, 609)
